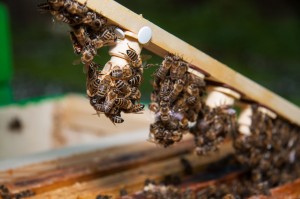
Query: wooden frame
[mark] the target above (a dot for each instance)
(163, 42)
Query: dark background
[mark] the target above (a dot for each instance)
(260, 39)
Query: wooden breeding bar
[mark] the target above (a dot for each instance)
(163, 42)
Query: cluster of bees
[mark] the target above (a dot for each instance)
(175, 100)
(212, 127)
(117, 89)
(272, 151)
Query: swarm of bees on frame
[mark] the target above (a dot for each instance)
(175, 100)
(111, 92)
(272, 151)
(212, 127)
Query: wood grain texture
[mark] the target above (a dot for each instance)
(46, 176)
(163, 42)
(133, 179)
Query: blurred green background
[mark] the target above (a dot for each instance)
(260, 39)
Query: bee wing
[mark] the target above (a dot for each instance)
(44, 8)
(146, 57)
(76, 62)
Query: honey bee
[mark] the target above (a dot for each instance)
(132, 56)
(194, 97)
(114, 115)
(178, 87)
(108, 37)
(75, 8)
(164, 112)
(179, 71)
(153, 106)
(164, 67)
(123, 103)
(123, 88)
(165, 88)
(56, 4)
(92, 86)
(135, 94)
(116, 72)
(127, 71)
(88, 54)
(93, 81)
(155, 131)
(44, 7)
(110, 101)
(77, 47)
(176, 136)
(81, 34)
(97, 104)
(97, 42)
(104, 86)
(88, 18)
(137, 108)
(97, 22)
(135, 80)
(116, 119)
(61, 16)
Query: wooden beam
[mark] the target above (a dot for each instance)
(133, 179)
(47, 176)
(163, 42)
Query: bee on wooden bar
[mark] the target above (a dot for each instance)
(98, 22)
(164, 68)
(179, 70)
(108, 37)
(132, 56)
(74, 7)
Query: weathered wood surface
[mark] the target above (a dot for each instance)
(133, 179)
(65, 171)
(163, 42)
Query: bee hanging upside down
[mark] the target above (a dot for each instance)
(134, 58)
